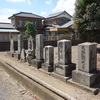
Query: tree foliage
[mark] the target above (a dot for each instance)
(87, 19)
(30, 30)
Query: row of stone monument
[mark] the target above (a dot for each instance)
(86, 72)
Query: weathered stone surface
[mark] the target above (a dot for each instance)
(48, 58)
(64, 52)
(11, 45)
(23, 56)
(20, 43)
(86, 72)
(39, 47)
(87, 79)
(31, 47)
(49, 55)
(36, 63)
(87, 58)
(64, 70)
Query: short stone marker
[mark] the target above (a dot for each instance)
(86, 72)
(64, 66)
(23, 56)
(39, 51)
(48, 59)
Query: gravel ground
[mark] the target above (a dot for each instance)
(12, 90)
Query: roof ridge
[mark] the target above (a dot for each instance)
(25, 13)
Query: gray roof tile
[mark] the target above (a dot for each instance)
(26, 14)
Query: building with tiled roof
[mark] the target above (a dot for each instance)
(5, 30)
(18, 20)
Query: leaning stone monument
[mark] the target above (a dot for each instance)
(39, 51)
(48, 59)
(86, 72)
(23, 56)
(64, 66)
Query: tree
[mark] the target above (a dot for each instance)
(87, 19)
(30, 30)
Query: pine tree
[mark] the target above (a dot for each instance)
(30, 30)
(87, 19)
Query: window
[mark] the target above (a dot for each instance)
(36, 24)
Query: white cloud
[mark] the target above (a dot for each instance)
(5, 13)
(16, 0)
(28, 1)
(43, 13)
(48, 2)
(67, 5)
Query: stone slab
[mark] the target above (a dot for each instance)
(64, 70)
(36, 63)
(62, 78)
(92, 90)
(48, 68)
(87, 79)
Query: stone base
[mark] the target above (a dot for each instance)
(47, 67)
(64, 70)
(29, 58)
(10, 54)
(36, 63)
(17, 55)
(62, 78)
(87, 79)
(93, 90)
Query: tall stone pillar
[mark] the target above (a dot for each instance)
(39, 51)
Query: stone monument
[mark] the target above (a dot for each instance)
(31, 50)
(86, 72)
(64, 66)
(11, 53)
(48, 58)
(39, 51)
(20, 43)
(23, 56)
(20, 47)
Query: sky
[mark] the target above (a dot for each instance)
(39, 7)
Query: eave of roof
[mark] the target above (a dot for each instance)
(6, 26)
(26, 14)
(9, 30)
(57, 14)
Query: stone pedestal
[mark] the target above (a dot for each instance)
(36, 63)
(86, 72)
(87, 79)
(48, 59)
(64, 70)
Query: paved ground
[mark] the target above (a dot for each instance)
(12, 90)
(75, 92)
